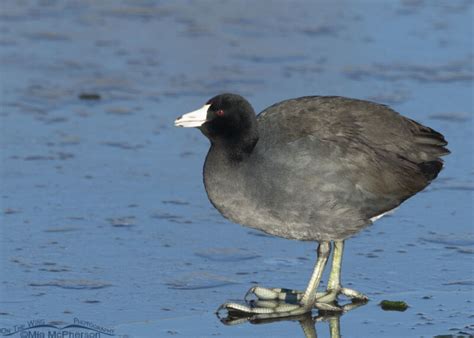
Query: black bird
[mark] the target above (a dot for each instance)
(315, 168)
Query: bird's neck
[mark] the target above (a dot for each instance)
(236, 149)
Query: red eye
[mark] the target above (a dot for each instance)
(220, 112)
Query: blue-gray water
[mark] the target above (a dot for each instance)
(103, 213)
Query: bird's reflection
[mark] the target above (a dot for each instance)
(307, 321)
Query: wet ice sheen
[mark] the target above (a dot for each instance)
(73, 284)
(226, 254)
(199, 280)
(70, 169)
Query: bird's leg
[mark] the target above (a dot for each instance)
(334, 287)
(264, 309)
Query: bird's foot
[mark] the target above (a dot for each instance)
(274, 303)
(294, 296)
(260, 310)
(281, 294)
(264, 310)
(237, 315)
(286, 296)
(331, 295)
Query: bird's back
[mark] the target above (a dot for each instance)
(336, 118)
(350, 160)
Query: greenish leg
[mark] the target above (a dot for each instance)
(334, 287)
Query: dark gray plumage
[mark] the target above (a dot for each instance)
(315, 168)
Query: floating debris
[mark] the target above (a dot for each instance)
(393, 305)
(89, 96)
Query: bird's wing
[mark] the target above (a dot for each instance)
(379, 157)
(333, 118)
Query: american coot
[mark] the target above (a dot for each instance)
(316, 168)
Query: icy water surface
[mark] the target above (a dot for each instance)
(104, 217)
